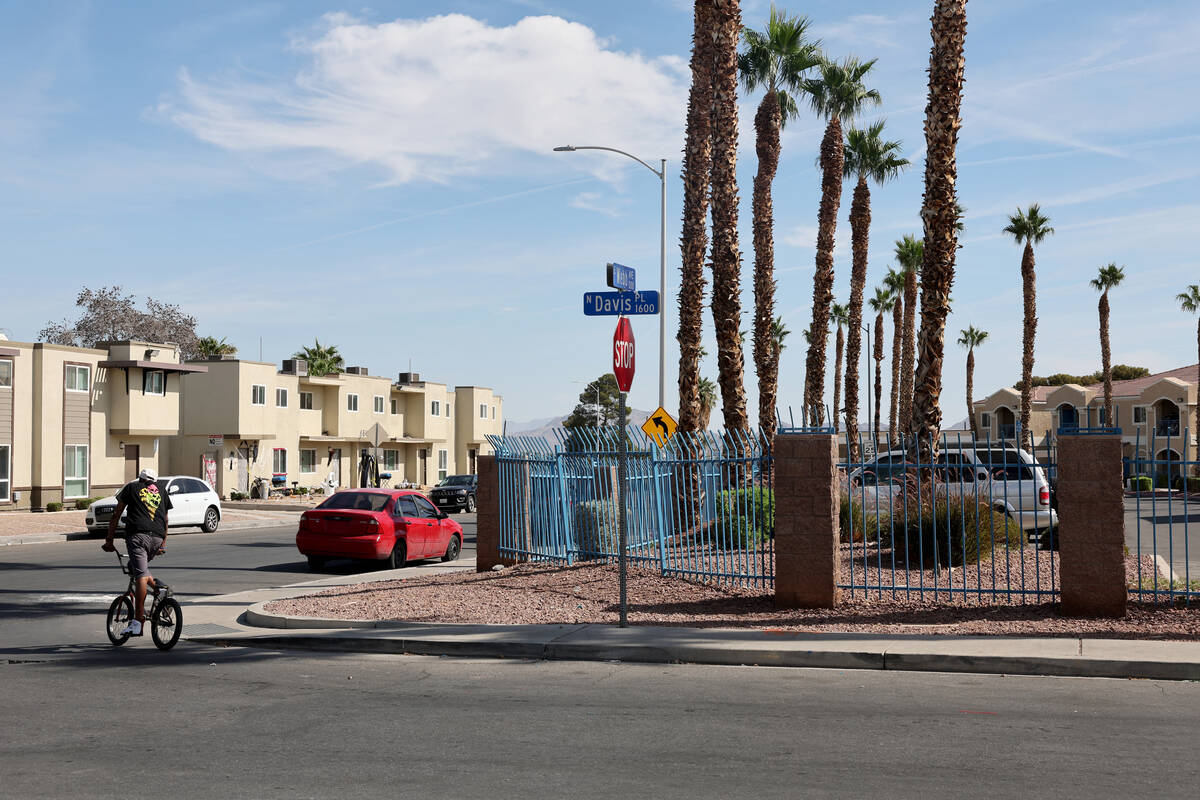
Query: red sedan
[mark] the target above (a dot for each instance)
(392, 525)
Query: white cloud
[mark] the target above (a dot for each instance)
(427, 100)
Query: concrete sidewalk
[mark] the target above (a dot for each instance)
(239, 620)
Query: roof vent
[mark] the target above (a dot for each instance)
(294, 366)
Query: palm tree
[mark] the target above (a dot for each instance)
(779, 332)
(725, 258)
(894, 282)
(882, 302)
(775, 60)
(322, 359)
(869, 158)
(1190, 302)
(839, 314)
(708, 399)
(909, 252)
(1110, 276)
(210, 347)
(971, 338)
(693, 241)
(939, 212)
(1028, 227)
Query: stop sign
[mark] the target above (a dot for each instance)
(623, 361)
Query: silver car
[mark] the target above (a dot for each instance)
(193, 502)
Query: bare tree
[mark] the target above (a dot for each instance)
(109, 314)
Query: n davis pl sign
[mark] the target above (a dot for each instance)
(613, 304)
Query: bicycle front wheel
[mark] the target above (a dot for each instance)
(120, 613)
(167, 624)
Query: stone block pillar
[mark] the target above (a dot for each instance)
(487, 504)
(1091, 526)
(806, 521)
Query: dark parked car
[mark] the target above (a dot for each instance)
(455, 493)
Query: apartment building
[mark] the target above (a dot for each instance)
(1153, 412)
(80, 422)
(243, 420)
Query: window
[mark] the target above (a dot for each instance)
(154, 381)
(447, 410)
(75, 471)
(258, 394)
(405, 507)
(985, 421)
(352, 402)
(281, 398)
(493, 412)
(78, 378)
(6, 370)
(279, 461)
(5, 480)
(424, 507)
(306, 400)
(391, 460)
(483, 410)
(395, 406)
(378, 404)
(308, 462)
(435, 408)
(443, 458)
(1139, 415)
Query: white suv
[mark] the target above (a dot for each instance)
(193, 502)
(1010, 479)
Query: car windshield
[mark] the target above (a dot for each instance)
(456, 480)
(363, 501)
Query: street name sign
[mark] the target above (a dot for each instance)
(660, 427)
(623, 355)
(612, 304)
(622, 277)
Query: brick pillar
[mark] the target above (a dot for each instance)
(487, 525)
(1091, 526)
(806, 521)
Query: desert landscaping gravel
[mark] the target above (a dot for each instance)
(587, 593)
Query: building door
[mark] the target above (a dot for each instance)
(471, 454)
(243, 470)
(424, 467)
(335, 464)
(132, 462)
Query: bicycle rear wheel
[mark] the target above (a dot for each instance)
(120, 613)
(167, 624)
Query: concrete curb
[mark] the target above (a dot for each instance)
(74, 536)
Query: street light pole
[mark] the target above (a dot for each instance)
(662, 259)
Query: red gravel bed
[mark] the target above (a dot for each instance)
(587, 593)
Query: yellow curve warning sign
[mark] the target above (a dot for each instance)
(660, 426)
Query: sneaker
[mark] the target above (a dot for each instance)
(134, 628)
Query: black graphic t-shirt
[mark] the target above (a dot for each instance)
(147, 506)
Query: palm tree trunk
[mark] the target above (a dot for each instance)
(837, 376)
(897, 323)
(940, 214)
(725, 258)
(766, 356)
(970, 388)
(1029, 290)
(832, 156)
(1105, 360)
(693, 241)
(907, 350)
(860, 223)
(878, 374)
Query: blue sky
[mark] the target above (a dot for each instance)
(382, 177)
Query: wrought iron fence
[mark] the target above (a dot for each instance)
(1163, 497)
(700, 507)
(976, 523)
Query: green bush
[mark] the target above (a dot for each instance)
(595, 524)
(868, 524)
(83, 503)
(1161, 480)
(238, 496)
(1192, 483)
(1141, 483)
(744, 516)
(54, 506)
(953, 531)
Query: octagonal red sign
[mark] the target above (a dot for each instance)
(623, 354)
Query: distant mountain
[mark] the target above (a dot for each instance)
(544, 428)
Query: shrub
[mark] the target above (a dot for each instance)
(83, 503)
(1161, 480)
(744, 517)
(54, 506)
(1141, 483)
(595, 525)
(953, 531)
(1191, 483)
(852, 519)
(238, 496)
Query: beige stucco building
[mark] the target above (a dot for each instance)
(1154, 413)
(80, 422)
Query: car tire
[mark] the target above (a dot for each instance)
(453, 548)
(315, 563)
(212, 518)
(470, 504)
(397, 558)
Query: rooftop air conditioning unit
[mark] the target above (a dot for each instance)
(294, 366)
(357, 371)
(408, 377)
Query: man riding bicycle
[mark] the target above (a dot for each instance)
(145, 535)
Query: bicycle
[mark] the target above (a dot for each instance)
(165, 617)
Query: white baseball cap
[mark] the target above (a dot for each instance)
(148, 475)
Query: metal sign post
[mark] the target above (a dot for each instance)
(624, 361)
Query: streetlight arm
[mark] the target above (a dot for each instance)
(570, 148)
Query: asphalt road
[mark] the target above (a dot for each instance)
(1172, 530)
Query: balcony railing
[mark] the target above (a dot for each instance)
(1008, 431)
(1167, 427)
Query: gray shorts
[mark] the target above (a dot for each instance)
(142, 548)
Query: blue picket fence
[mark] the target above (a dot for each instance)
(1163, 495)
(701, 507)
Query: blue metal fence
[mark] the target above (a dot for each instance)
(1163, 496)
(975, 524)
(701, 507)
